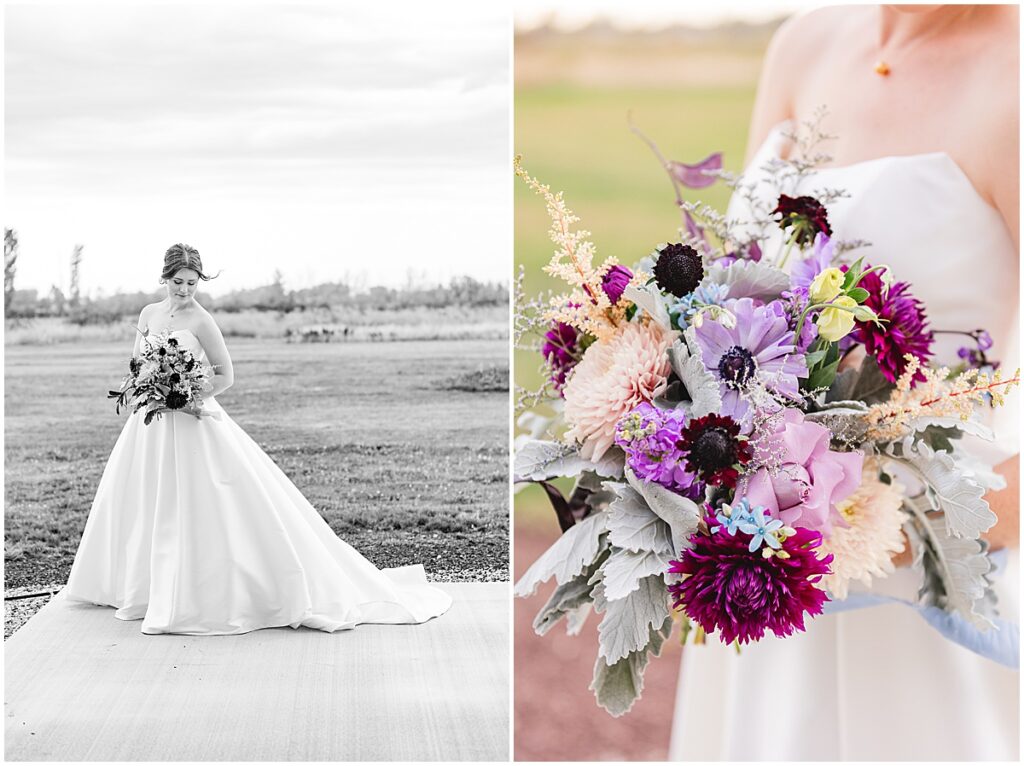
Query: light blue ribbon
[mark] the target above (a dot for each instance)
(1000, 643)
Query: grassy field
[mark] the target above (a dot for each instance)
(384, 440)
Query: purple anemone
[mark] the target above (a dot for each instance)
(759, 345)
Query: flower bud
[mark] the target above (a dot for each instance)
(826, 285)
(836, 323)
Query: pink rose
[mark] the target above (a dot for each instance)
(812, 478)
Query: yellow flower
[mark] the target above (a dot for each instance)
(836, 323)
(826, 285)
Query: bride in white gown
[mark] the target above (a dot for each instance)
(923, 104)
(194, 530)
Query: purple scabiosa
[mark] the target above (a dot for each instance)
(903, 330)
(649, 437)
(976, 357)
(760, 344)
(615, 281)
(678, 270)
(727, 588)
(714, 449)
(560, 352)
(805, 215)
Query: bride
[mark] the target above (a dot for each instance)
(195, 530)
(923, 102)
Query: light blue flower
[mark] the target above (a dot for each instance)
(705, 295)
(764, 530)
(731, 517)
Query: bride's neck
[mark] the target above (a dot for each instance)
(900, 24)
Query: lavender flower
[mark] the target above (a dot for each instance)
(649, 436)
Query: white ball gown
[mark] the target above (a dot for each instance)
(879, 683)
(195, 530)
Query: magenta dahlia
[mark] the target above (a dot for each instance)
(726, 587)
(904, 329)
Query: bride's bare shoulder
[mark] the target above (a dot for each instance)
(796, 47)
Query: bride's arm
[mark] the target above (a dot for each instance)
(1006, 505)
(210, 336)
(142, 325)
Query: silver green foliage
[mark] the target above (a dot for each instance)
(751, 279)
(701, 385)
(542, 460)
(573, 552)
(617, 687)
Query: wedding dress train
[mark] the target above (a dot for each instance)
(879, 683)
(195, 530)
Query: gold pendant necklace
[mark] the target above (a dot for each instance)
(881, 68)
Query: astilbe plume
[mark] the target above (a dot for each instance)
(727, 588)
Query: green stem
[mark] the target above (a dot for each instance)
(789, 247)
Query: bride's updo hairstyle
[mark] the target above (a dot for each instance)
(180, 257)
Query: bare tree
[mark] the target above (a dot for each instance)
(10, 266)
(76, 260)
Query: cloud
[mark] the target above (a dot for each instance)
(151, 107)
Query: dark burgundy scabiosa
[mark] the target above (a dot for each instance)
(713, 449)
(806, 215)
(727, 588)
(903, 331)
(615, 281)
(559, 350)
(176, 400)
(133, 365)
(679, 269)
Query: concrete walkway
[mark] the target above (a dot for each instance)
(82, 685)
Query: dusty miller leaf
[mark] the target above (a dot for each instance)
(628, 621)
(751, 279)
(651, 301)
(681, 514)
(632, 525)
(960, 498)
(569, 598)
(617, 687)
(701, 385)
(569, 556)
(624, 571)
(955, 570)
(543, 460)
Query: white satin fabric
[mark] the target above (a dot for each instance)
(194, 530)
(879, 683)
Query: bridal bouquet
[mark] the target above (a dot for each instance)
(165, 377)
(749, 433)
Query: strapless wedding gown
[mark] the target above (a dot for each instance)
(879, 683)
(194, 530)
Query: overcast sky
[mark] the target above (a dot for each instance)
(328, 141)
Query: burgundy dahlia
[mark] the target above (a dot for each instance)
(559, 350)
(903, 331)
(714, 450)
(615, 281)
(726, 587)
(806, 215)
(175, 400)
(678, 270)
